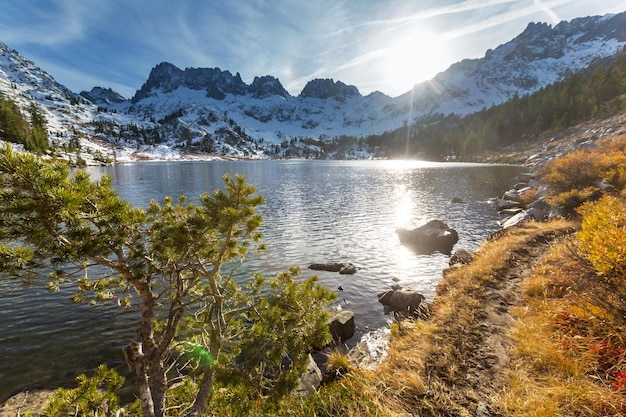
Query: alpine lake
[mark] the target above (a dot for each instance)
(315, 212)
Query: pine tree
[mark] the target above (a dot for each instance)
(13, 127)
(38, 130)
(176, 261)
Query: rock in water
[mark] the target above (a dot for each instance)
(434, 236)
(461, 257)
(404, 301)
(344, 268)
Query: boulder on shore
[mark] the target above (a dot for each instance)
(461, 257)
(341, 325)
(434, 236)
(310, 380)
(344, 268)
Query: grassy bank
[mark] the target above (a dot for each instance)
(509, 336)
(463, 351)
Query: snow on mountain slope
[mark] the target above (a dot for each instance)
(539, 56)
(69, 116)
(207, 110)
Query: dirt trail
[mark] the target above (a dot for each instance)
(488, 362)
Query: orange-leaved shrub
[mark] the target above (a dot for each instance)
(583, 174)
(613, 161)
(602, 247)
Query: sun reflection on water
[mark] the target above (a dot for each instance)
(403, 205)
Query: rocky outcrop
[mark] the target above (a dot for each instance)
(344, 268)
(327, 88)
(434, 236)
(267, 86)
(167, 77)
(524, 202)
(99, 95)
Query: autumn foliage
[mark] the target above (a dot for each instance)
(602, 248)
(584, 174)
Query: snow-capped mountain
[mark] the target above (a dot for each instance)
(99, 95)
(70, 117)
(539, 56)
(213, 111)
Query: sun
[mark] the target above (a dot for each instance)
(411, 58)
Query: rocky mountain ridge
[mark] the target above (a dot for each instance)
(210, 111)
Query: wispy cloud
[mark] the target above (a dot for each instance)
(50, 23)
(503, 18)
(117, 42)
(462, 7)
(548, 10)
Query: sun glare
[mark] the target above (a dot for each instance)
(403, 206)
(413, 58)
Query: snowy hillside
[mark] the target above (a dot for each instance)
(69, 116)
(207, 111)
(537, 57)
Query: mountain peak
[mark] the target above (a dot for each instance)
(164, 76)
(215, 82)
(99, 95)
(267, 86)
(327, 88)
(18, 69)
(217, 111)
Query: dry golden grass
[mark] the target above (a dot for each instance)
(573, 179)
(338, 362)
(561, 349)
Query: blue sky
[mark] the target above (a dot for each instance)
(385, 45)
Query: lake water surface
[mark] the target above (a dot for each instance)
(315, 211)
